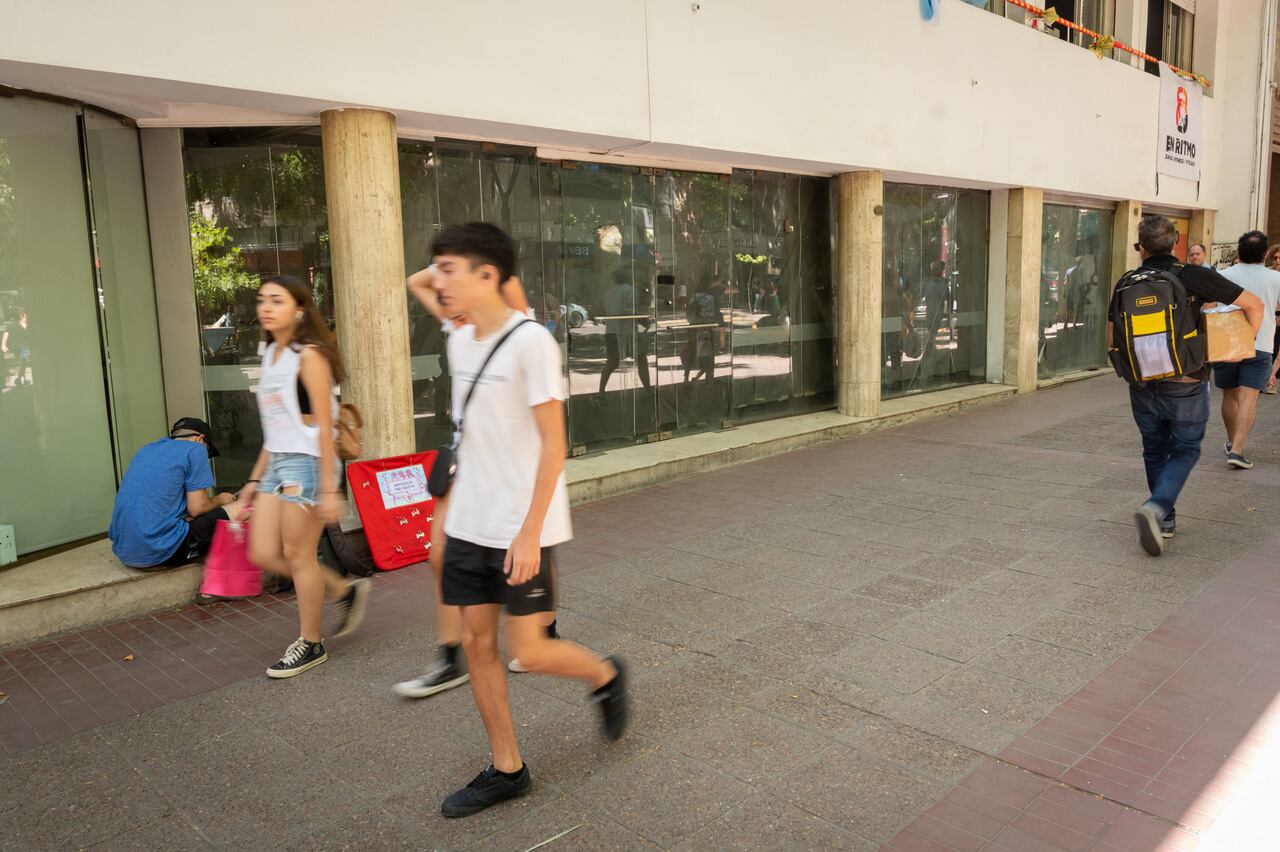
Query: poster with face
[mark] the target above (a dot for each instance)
(1178, 142)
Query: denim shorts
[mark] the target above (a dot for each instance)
(1252, 372)
(292, 477)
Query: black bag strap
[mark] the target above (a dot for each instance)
(487, 358)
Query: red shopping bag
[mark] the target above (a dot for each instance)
(228, 573)
(395, 509)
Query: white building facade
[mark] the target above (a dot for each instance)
(727, 211)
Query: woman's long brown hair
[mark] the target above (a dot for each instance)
(311, 329)
(1270, 260)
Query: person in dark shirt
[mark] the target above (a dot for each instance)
(1172, 414)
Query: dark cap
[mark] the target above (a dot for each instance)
(189, 427)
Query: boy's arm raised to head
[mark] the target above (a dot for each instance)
(420, 284)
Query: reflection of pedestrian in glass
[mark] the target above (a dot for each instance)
(705, 328)
(15, 341)
(935, 294)
(893, 294)
(620, 328)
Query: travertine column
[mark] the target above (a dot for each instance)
(860, 224)
(362, 188)
(1201, 230)
(1022, 288)
(1124, 234)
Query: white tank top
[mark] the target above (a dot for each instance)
(283, 430)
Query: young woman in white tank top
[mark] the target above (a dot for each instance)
(295, 487)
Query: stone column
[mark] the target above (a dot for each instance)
(1022, 288)
(1201, 230)
(1124, 234)
(362, 188)
(860, 238)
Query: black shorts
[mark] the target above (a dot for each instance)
(199, 536)
(473, 576)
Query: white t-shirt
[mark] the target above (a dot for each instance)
(498, 456)
(1265, 284)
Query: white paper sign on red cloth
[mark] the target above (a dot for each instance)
(1181, 118)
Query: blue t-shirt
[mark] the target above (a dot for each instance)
(147, 523)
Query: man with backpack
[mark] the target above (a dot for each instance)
(1241, 383)
(1156, 342)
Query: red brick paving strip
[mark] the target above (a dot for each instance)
(1145, 755)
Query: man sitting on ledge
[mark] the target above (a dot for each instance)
(163, 515)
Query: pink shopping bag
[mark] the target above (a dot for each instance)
(228, 573)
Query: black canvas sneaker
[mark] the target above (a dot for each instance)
(486, 789)
(1148, 522)
(299, 657)
(1239, 461)
(612, 699)
(351, 608)
(444, 676)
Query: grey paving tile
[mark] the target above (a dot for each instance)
(1052, 667)
(986, 553)
(810, 710)
(905, 590)
(84, 762)
(368, 827)
(1174, 590)
(169, 832)
(662, 796)
(892, 741)
(1011, 703)
(1066, 566)
(77, 818)
(748, 744)
(784, 593)
(174, 728)
(586, 831)
(860, 793)
(974, 730)
(1024, 588)
(764, 823)
(802, 638)
(1120, 608)
(857, 612)
(1104, 639)
(950, 569)
(954, 638)
(884, 667)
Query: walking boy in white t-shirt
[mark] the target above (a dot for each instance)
(508, 506)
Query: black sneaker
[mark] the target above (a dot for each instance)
(1226, 449)
(351, 608)
(1239, 461)
(1148, 521)
(486, 789)
(299, 657)
(612, 698)
(444, 676)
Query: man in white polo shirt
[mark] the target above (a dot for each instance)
(1242, 382)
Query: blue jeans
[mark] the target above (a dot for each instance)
(1171, 417)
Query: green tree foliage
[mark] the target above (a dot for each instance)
(219, 271)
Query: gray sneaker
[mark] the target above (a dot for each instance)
(1148, 520)
(1168, 527)
(1239, 461)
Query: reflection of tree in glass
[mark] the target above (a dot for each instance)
(8, 224)
(219, 269)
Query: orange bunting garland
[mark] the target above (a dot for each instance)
(1101, 43)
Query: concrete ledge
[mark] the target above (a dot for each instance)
(1078, 375)
(613, 472)
(83, 588)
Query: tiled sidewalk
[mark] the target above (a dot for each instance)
(945, 628)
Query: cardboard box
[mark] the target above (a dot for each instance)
(1229, 337)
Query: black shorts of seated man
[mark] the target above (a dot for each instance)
(508, 504)
(164, 515)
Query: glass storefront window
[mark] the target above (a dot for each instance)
(934, 313)
(682, 300)
(80, 385)
(1075, 283)
(257, 208)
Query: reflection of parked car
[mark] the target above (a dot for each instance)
(573, 315)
